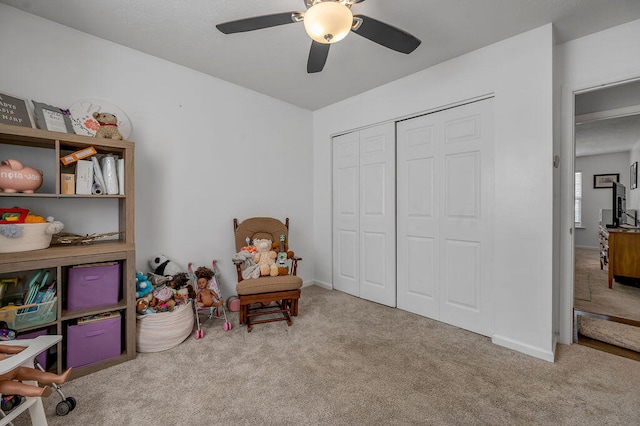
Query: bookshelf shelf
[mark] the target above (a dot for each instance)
(43, 149)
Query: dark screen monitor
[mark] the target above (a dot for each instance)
(619, 204)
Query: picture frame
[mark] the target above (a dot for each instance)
(605, 180)
(15, 111)
(49, 117)
(634, 176)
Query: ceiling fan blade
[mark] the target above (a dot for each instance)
(257, 22)
(317, 56)
(386, 35)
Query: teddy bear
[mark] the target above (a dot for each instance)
(281, 260)
(108, 126)
(161, 265)
(265, 257)
(143, 285)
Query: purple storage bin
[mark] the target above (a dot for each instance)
(93, 342)
(92, 286)
(42, 358)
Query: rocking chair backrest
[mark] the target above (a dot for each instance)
(260, 227)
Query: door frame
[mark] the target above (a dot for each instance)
(567, 201)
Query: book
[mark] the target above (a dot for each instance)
(84, 177)
(98, 181)
(121, 175)
(98, 317)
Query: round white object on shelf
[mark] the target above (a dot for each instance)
(82, 117)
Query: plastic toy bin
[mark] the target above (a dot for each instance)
(20, 318)
(93, 342)
(90, 286)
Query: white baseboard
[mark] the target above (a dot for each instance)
(524, 348)
(318, 283)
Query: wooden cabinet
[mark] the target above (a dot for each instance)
(43, 149)
(622, 252)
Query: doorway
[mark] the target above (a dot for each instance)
(607, 145)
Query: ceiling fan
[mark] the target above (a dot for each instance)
(327, 22)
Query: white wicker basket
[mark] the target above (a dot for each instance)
(164, 330)
(34, 237)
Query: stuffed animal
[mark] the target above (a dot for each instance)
(108, 126)
(163, 300)
(161, 265)
(248, 267)
(181, 284)
(143, 285)
(282, 270)
(265, 257)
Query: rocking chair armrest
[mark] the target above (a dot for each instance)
(238, 269)
(294, 264)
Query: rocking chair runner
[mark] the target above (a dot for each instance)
(284, 290)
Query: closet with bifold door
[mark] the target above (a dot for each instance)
(364, 250)
(413, 215)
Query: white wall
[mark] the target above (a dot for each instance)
(206, 150)
(599, 59)
(518, 71)
(594, 199)
(633, 195)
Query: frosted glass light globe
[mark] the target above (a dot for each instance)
(328, 22)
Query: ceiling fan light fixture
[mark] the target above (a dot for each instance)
(328, 21)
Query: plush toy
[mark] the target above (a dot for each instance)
(282, 270)
(163, 300)
(181, 284)
(265, 257)
(143, 285)
(108, 126)
(248, 267)
(161, 265)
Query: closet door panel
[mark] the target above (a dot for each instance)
(346, 213)
(444, 208)
(377, 214)
(417, 205)
(466, 225)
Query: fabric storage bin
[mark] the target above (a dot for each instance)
(93, 342)
(90, 286)
(42, 358)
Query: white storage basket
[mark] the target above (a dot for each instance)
(34, 237)
(164, 330)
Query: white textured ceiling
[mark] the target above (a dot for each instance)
(273, 61)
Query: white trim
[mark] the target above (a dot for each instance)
(524, 348)
(605, 115)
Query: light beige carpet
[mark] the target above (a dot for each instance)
(346, 361)
(592, 292)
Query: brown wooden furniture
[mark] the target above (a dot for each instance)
(623, 253)
(43, 149)
(277, 296)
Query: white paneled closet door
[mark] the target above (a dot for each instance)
(364, 241)
(445, 202)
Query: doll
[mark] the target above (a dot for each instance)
(205, 297)
(10, 382)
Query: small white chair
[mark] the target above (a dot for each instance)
(25, 358)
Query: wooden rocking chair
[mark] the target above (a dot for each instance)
(274, 296)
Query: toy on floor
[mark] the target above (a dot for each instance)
(11, 401)
(207, 278)
(10, 383)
